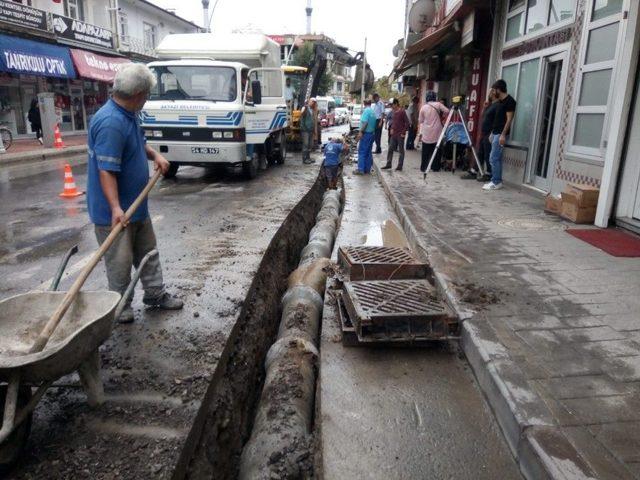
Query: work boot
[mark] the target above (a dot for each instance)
(398, 169)
(165, 301)
(127, 315)
(386, 167)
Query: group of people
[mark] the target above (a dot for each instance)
(425, 124)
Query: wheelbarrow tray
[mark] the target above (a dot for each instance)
(85, 326)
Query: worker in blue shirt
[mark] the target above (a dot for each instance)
(366, 137)
(332, 151)
(118, 171)
(378, 110)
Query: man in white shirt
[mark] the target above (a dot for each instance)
(378, 111)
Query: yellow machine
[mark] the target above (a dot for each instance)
(297, 76)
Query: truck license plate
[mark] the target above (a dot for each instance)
(205, 150)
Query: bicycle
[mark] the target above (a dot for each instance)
(7, 137)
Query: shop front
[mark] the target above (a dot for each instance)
(26, 69)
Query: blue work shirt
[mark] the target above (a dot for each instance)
(116, 144)
(369, 118)
(378, 109)
(332, 151)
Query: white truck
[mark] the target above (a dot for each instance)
(219, 100)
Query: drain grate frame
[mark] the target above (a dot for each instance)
(381, 263)
(395, 311)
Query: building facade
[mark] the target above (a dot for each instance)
(572, 66)
(73, 48)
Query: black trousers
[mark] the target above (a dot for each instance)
(427, 152)
(484, 153)
(378, 137)
(411, 138)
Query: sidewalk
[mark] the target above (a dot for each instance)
(557, 351)
(29, 149)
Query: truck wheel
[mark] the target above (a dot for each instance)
(173, 169)
(250, 168)
(281, 152)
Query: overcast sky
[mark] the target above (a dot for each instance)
(346, 21)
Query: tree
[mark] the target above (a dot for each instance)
(303, 57)
(383, 88)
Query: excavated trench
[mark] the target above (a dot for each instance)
(226, 418)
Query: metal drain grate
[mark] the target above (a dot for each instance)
(399, 310)
(380, 263)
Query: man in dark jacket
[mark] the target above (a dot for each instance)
(399, 127)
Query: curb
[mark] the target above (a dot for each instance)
(486, 357)
(42, 155)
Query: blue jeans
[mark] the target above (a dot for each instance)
(365, 155)
(495, 158)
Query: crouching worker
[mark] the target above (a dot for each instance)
(332, 151)
(117, 173)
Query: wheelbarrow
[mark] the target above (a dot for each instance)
(37, 348)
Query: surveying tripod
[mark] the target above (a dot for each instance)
(455, 110)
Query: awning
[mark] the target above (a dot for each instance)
(96, 67)
(18, 55)
(430, 41)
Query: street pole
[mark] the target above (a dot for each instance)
(364, 71)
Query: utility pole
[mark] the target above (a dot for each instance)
(364, 71)
(309, 10)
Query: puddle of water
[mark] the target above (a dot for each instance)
(384, 234)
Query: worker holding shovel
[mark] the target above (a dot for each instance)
(117, 173)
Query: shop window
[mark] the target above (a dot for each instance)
(74, 9)
(600, 41)
(525, 17)
(149, 35)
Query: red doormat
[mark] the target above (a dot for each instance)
(614, 242)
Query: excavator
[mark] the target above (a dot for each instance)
(305, 82)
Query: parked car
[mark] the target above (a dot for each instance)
(354, 118)
(326, 111)
(342, 115)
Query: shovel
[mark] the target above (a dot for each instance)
(68, 299)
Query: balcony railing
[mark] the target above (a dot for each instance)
(135, 45)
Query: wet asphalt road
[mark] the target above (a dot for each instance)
(212, 229)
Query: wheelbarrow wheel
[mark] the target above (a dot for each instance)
(12, 447)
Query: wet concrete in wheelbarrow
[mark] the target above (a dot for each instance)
(212, 232)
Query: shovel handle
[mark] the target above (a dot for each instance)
(68, 299)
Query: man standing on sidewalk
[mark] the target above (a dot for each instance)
(399, 127)
(378, 110)
(505, 109)
(412, 113)
(117, 173)
(366, 136)
(307, 129)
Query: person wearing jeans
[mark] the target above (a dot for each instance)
(505, 110)
(398, 131)
(366, 137)
(378, 110)
(307, 127)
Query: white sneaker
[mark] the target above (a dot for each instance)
(492, 186)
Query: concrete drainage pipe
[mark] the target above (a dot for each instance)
(280, 442)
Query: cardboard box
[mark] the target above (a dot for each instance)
(582, 196)
(552, 204)
(576, 214)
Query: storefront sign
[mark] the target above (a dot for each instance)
(25, 56)
(468, 29)
(474, 99)
(22, 15)
(540, 43)
(96, 67)
(77, 31)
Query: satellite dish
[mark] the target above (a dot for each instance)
(421, 15)
(397, 47)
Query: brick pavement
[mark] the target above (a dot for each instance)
(558, 356)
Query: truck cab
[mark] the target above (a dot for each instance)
(205, 111)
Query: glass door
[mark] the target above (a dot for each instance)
(545, 151)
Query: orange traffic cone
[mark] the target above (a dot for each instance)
(57, 138)
(70, 190)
